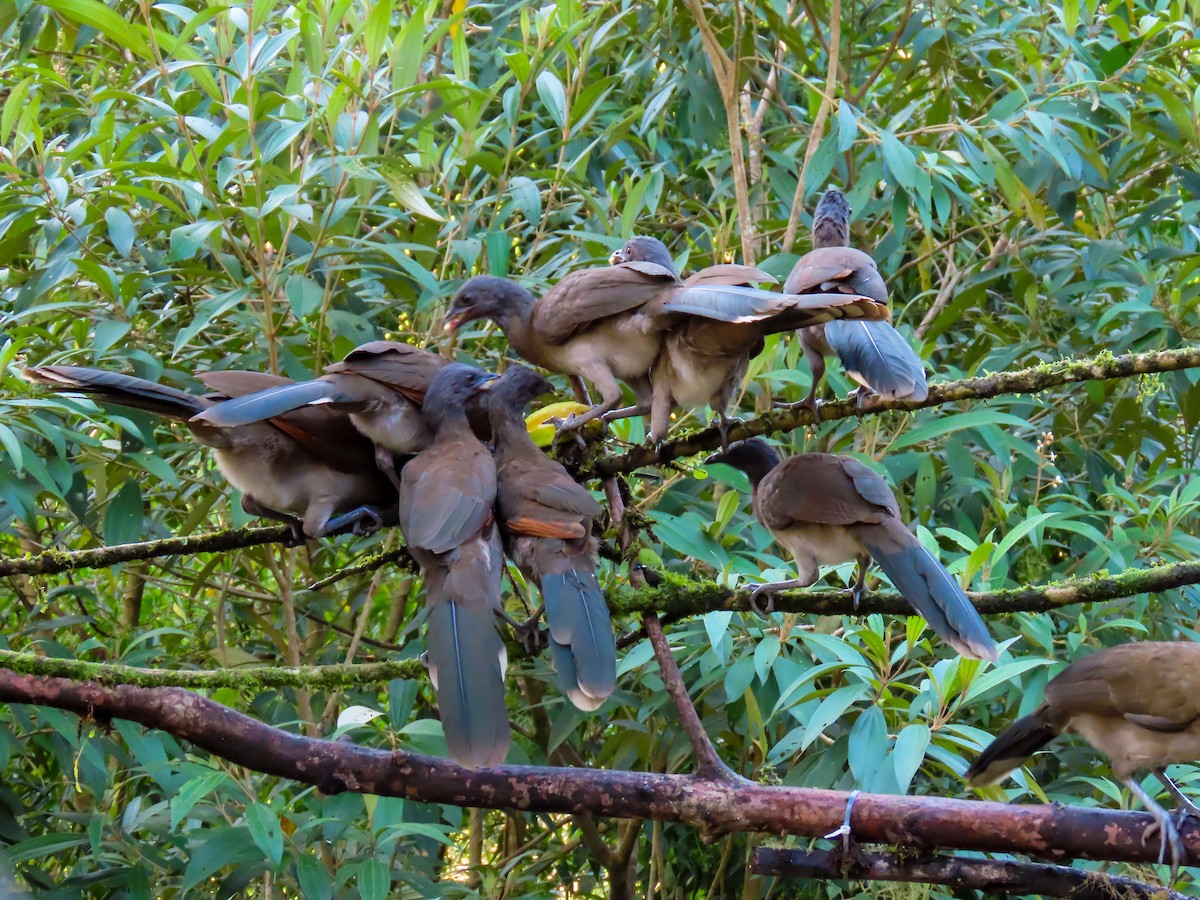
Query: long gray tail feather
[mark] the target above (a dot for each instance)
(467, 661)
(267, 404)
(879, 353)
(115, 387)
(1014, 745)
(578, 618)
(568, 680)
(927, 585)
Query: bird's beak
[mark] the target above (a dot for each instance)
(617, 257)
(718, 457)
(489, 382)
(451, 323)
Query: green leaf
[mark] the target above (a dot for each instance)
(900, 160)
(192, 793)
(117, 28)
(123, 518)
(909, 753)
(263, 825)
(374, 880)
(120, 229)
(314, 879)
(304, 295)
(552, 94)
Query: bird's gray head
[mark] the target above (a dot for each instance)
(517, 388)
(487, 297)
(831, 221)
(754, 456)
(451, 391)
(645, 249)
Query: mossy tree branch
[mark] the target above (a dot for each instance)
(1102, 367)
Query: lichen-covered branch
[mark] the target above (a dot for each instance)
(1033, 380)
(338, 677)
(990, 875)
(714, 807)
(679, 598)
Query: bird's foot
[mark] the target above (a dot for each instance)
(568, 426)
(856, 592)
(297, 536)
(844, 831)
(533, 640)
(1170, 838)
(763, 590)
(723, 424)
(864, 400)
(361, 520)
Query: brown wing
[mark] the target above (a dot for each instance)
(326, 434)
(823, 489)
(532, 490)
(1155, 684)
(406, 369)
(591, 295)
(842, 269)
(447, 493)
(731, 274)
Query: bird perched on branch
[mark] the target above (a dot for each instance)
(381, 385)
(873, 353)
(704, 360)
(447, 500)
(546, 522)
(827, 509)
(1138, 704)
(309, 468)
(606, 324)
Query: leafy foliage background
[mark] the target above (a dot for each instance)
(195, 185)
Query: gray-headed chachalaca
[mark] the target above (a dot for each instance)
(872, 352)
(309, 468)
(604, 324)
(827, 509)
(701, 360)
(380, 385)
(447, 500)
(1138, 704)
(546, 522)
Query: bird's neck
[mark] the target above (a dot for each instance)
(510, 433)
(758, 469)
(830, 231)
(448, 424)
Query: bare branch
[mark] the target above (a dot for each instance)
(713, 807)
(991, 875)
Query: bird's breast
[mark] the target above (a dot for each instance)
(397, 425)
(627, 345)
(1133, 748)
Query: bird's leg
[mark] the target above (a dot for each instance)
(770, 589)
(859, 588)
(356, 518)
(722, 422)
(386, 461)
(1163, 824)
(626, 412)
(1184, 806)
(844, 831)
(580, 389)
(816, 366)
(254, 508)
(527, 633)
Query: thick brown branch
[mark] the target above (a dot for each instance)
(713, 807)
(1022, 381)
(992, 875)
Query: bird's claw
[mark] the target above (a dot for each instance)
(370, 523)
(760, 591)
(567, 426)
(1169, 838)
(297, 536)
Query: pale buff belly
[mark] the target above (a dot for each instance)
(1133, 748)
(626, 345)
(397, 425)
(813, 546)
(695, 379)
